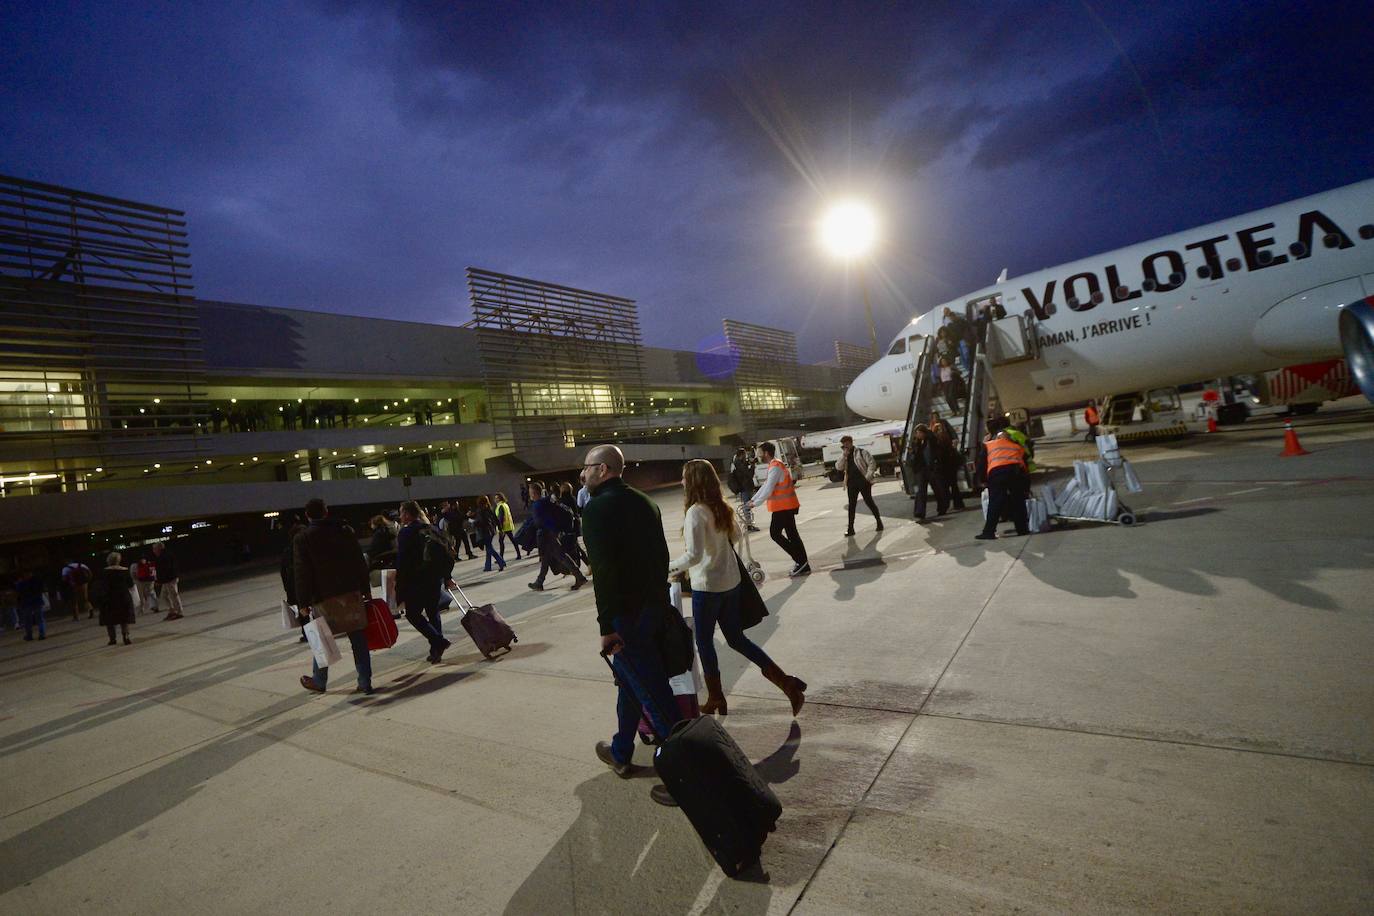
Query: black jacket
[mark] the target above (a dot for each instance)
(327, 561)
(166, 566)
(416, 586)
(627, 552)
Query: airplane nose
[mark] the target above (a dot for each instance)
(856, 397)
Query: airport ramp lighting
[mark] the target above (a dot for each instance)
(848, 229)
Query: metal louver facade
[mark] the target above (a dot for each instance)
(765, 375)
(100, 346)
(558, 363)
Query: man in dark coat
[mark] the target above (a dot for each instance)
(926, 461)
(629, 559)
(418, 585)
(331, 577)
(551, 553)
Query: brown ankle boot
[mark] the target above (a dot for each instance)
(715, 696)
(793, 687)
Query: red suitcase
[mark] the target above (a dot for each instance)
(381, 629)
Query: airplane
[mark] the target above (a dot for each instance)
(1292, 283)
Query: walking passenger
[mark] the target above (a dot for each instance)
(926, 463)
(288, 575)
(780, 495)
(629, 557)
(506, 526)
(77, 576)
(486, 526)
(333, 580)
(424, 561)
(115, 599)
(951, 460)
(859, 469)
(144, 575)
(28, 594)
(551, 556)
(165, 581)
(568, 540)
(710, 532)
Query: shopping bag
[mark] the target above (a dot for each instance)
(986, 497)
(289, 620)
(1050, 499)
(322, 644)
(1128, 476)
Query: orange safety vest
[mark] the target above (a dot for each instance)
(1090, 414)
(784, 495)
(1005, 452)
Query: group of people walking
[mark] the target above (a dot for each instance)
(113, 595)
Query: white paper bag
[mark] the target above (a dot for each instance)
(1128, 476)
(322, 643)
(289, 621)
(986, 497)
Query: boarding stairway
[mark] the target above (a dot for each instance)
(969, 423)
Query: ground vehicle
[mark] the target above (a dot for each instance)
(881, 440)
(1152, 414)
(788, 452)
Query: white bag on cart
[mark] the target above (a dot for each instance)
(1037, 519)
(1050, 499)
(1128, 477)
(1108, 449)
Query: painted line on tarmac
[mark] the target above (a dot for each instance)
(1243, 492)
(585, 610)
(1200, 499)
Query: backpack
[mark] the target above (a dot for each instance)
(440, 552)
(563, 517)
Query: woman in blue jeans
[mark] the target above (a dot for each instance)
(710, 531)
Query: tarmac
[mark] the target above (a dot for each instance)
(1170, 717)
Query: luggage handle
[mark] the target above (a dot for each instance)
(461, 599)
(606, 657)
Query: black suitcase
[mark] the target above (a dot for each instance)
(720, 791)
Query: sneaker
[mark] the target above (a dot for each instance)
(849, 533)
(800, 569)
(536, 586)
(660, 794)
(623, 770)
(985, 537)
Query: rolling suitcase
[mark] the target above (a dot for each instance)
(726, 800)
(381, 628)
(487, 628)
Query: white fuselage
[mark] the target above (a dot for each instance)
(1242, 295)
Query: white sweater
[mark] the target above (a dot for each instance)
(710, 557)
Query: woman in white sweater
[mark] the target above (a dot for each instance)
(710, 531)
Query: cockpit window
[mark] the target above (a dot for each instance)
(898, 346)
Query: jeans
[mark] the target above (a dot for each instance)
(643, 682)
(501, 543)
(866, 491)
(30, 616)
(782, 528)
(361, 660)
(921, 477)
(424, 617)
(492, 555)
(710, 608)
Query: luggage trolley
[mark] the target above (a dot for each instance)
(755, 569)
(1111, 462)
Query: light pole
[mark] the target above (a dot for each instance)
(848, 231)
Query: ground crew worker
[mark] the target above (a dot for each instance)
(1007, 484)
(1092, 418)
(1027, 446)
(779, 493)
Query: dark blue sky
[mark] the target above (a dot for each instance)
(357, 156)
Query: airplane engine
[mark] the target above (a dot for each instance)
(1357, 338)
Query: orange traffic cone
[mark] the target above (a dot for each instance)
(1291, 446)
(1211, 423)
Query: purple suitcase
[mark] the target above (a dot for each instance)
(487, 628)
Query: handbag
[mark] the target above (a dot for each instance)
(289, 620)
(322, 644)
(345, 613)
(675, 642)
(752, 610)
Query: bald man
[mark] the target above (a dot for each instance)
(629, 558)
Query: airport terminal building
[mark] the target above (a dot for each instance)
(131, 410)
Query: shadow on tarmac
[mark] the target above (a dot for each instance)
(126, 807)
(625, 854)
